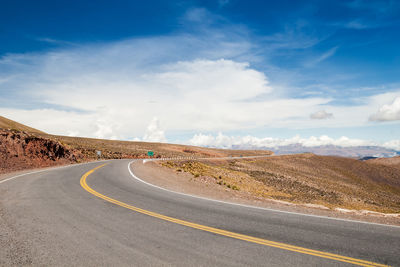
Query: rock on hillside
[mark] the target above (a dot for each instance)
(20, 150)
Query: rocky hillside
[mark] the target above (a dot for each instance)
(21, 150)
(23, 147)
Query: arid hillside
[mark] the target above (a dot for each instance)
(392, 162)
(333, 182)
(129, 149)
(21, 150)
(22, 147)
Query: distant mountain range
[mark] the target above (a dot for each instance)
(331, 150)
(358, 152)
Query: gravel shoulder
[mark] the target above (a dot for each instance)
(206, 187)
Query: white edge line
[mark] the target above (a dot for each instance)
(255, 207)
(48, 169)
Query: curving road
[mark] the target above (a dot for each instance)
(98, 215)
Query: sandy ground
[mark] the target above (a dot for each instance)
(206, 187)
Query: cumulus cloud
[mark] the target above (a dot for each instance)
(321, 115)
(154, 133)
(114, 90)
(251, 142)
(191, 83)
(393, 144)
(388, 112)
(104, 130)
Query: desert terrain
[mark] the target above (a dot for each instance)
(324, 182)
(23, 147)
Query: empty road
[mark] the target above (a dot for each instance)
(98, 214)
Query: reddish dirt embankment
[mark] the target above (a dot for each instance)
(20, 150)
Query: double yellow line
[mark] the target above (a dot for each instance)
(226, 233)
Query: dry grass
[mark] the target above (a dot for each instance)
(323, 180)
(224, 176)
(392, 162)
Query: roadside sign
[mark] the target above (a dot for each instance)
(98, 152)
(150, 153)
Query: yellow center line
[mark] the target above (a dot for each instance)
(224, 232)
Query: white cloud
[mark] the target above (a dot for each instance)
(191, 84)
(154, 133)
(321, 115)
(104, 130)
(325, 55)
(251, 142)
(388, 112)
(356, 24)
(72, 133)
(53, 41)
(393, 144)
(112, 91)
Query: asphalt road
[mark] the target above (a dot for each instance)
(75, 216)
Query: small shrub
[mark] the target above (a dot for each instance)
(196, 175)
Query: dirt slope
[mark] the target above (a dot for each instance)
(392, 162)
(20, 150)
(333, 182)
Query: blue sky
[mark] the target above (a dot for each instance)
(186, 71)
